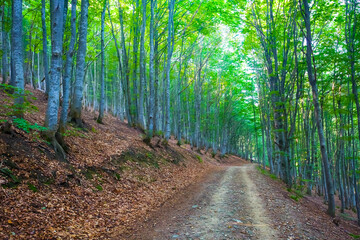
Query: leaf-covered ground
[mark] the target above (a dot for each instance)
(111, 181)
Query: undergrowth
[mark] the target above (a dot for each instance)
(297, 192)
(267, 173)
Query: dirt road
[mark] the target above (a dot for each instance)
(226, 205)
(238, 202)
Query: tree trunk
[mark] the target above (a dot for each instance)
(51, 120)
(44, 40)
(5, 67)
(68, 68)
(152, 73)
(76, 104)
(17, 56)
(170, 48)
(102, 74)
(317, 110)
(141, 120)
(126, 70)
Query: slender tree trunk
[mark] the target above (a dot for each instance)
(157, 72)
(102, 74)
(5, 67)
(44, 40)
(68, 68)
(141, 120)
(76, 104)
(17, 56)
(317, 110)
(136, 16)
(126, 70)
(170, 52)
(152, 73)
(51, 120)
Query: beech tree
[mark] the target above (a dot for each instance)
(76, 104)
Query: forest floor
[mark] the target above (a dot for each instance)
(114, 186)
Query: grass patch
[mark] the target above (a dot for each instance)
(267, 173)
(75, 132)
(297, 193)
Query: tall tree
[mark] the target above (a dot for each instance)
(170, 48)
(151, 73)
(313, 82)
(68, 69)
(51, 120)
(5, 67)
(45, 48)
(17, 56)
(102, 74)
(76, 104)
(141, 120)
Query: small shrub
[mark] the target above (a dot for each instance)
(199, 158)
(294, 197)
(26, 126)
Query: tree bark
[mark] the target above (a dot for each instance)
(68, 68)
(317, 110)
(51, 120)
(152, 73)
(45, 48)
(5, 67)
(170, 48)
(17, 56)
(76, 104)
(102, 74)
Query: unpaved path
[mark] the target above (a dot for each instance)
(238, 202)
(225, 205)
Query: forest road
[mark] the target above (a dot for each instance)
(223, 205)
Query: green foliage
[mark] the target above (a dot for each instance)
(26, 126)
(12, 109)
(354, 236)
(74, 132)
(199, 159)
(32, 187)
(99, 187)
(297, 192)
(267, 173)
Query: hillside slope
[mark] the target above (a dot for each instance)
(111, 179)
